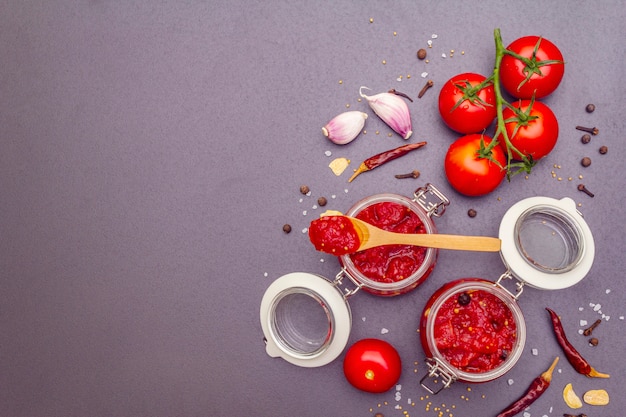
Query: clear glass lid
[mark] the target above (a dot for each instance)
(546, 243)
(306, 319)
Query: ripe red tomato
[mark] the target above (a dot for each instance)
(534, 132)
(466, 105)
(470, 174)
(372, 365)
(541, 75)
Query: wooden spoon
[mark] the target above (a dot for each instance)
(372, 236)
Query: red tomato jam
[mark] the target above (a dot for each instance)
(390, 263)
(334, 234)
(475, 331)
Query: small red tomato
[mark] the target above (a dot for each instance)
(372, 365)
(541, 74)
(470, 174)
(467, 103)
(533, 131)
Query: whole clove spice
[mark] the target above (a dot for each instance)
(428, 84)
(412, 174)
(581, 187)
(396, 92)
(590, 329)
(593, 130)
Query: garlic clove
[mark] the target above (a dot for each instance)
(393, 110)
(345, 127)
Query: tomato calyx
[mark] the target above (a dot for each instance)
(471, 93)
(532, 65)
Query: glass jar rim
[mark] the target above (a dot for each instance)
(477, 284)
(430, 256)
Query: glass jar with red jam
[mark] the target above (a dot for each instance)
(306, 318)
(472, 329)
(391, 270)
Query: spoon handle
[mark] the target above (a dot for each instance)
(454, 242)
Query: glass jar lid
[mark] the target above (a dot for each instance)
(546, 243)
(306, 319)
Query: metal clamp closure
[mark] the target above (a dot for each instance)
(519, 285)
(338, 283)
(432, 200)
(437, 368)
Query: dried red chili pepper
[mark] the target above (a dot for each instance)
(534, 391)
(576, 359)
(384, 157)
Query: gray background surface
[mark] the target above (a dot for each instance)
(150, 153)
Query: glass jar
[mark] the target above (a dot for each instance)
(547, 245)
(306, 318)
(490, 361)
(420, 261)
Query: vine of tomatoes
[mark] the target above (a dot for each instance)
(530, 68)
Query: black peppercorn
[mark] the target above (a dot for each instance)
(603, 150)
(586, 138)
(586, 161)
(304, 189)
(471, 213)
(421, 53)
(322, 201)
(593, 341)
(590, 108)
(464, 299)
(287, 228)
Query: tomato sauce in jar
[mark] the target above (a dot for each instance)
(390, 263)
(472, 330)
(392, 270)
(475, 331)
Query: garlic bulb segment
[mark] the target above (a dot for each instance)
(345, 127)
(393, 110)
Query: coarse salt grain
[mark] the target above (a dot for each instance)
(621, 317)
(333, 196)
(581, 308)
(264, 274)
(328, 153)
(345, 191)
(526, 414)
(306, 229)
(580, 331)
(597, 307)
(304, 212)
(424, 74)
(398, 387)
(430, 43)
(363, 318)
(443, 55)
(322, 260)
(434, 36)
(510, 382)
(583, 322)
(608, 290)
(384, 331)
(535, 352)
(314, 206)
(301, 200)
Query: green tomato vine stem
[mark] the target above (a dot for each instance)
(526, 163)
